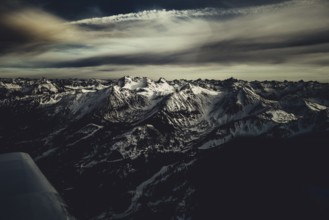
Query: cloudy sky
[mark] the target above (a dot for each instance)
(175, 39)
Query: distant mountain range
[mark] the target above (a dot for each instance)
(135, 148)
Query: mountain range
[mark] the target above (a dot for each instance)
(135, 148)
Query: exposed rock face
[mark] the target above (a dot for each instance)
(130, 147)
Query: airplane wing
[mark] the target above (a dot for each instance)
(25, 193)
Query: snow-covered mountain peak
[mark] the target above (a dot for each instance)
(162, 80)
(45, 86)
(247, 96)
(196, 90)
(146, 87)
(132, 83)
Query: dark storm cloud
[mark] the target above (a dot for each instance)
(138, 59)
(282, 50)
(233, 52)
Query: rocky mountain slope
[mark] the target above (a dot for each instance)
(132, 148)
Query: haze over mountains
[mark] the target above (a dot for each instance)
(136, 148)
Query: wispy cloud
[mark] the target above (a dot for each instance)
(30, 29)
(280, 36)
(194, 13)
(273, 34)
